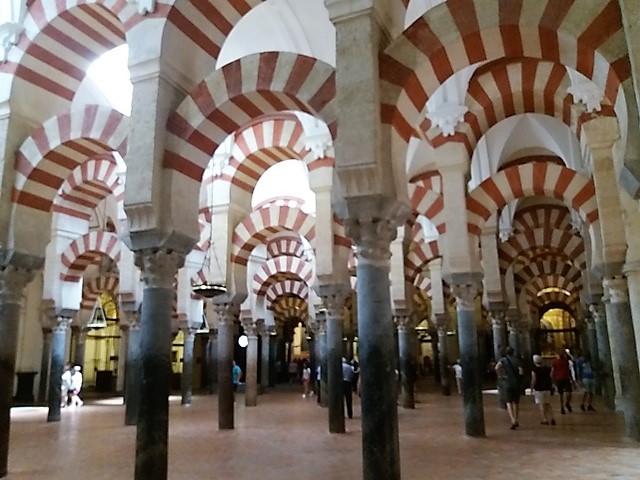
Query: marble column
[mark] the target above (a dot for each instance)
(273, 356)
(320, 329)
(158, 271)
(58, 350)
(441, 320)
(498, 330)
(45, 364)
(334, 304)
(123, 346)
(471, 374)
(514, 335)
(186, 381)
(376, 347)
(212, 360)
(624, 347)
(132, 371)
(264, 358)
(227, 314)
(79, 335)
(604, 365)
(251, 329)
(592, 339)
(406, 331)
(12, 283)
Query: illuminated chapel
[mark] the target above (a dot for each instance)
(186, 185)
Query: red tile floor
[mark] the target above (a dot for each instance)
(286, 436)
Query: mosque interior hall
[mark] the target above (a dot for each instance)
(236, 217)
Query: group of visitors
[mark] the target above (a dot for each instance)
(71, 386)
(564, 376)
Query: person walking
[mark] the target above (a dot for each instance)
(75, 387)
(508, 370)
(306, 378)
(236, 373)
(587, 379)
(65, 386)
(347, 385)
(541, 386)
(561, 376)
(457, 371)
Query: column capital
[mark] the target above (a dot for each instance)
(440, 321)
(404, 322)
(616, 288)
(598, 312)
(62, 324)
(213, 333)
(159, 266)
(465, 294)
(600, 132)
(589, 322)
(12, 282)
(334, 298)
(251, 327)
(226, 312)
(373, 239)
(318, 326)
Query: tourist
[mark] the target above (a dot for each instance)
(347, 385)
(457, 371)
(508, 370)
(561, 376)
(587, 380)
(541, 386)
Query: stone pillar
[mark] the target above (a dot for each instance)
(406, 331)
(376, 347)
(158, 271)
(251, 329)
(321, 358)
(512, 321)
(273, 356)
(132, 371)
(186, 384)
(212, 360)
(497, 327)
(604, 366)
(624, 347)
(441, 320)
(471, 375)
(79, 335)
(45, 364)
(12, 283)
(264, 361)
(123, 346)
(334, 303)
(632, 272)
(58, 350)
(592, 339)
(227, 314)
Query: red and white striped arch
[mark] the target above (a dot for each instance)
(288, 245)
(92, 289)
(63, 38)
(542, 216)
(340, 238)
(239, 93)
(281, 268)
(423, 284)
(419, 255)
(87, 186)
(261, 224)
(551, 271)
(85, 251)
(587, 38)
(509, 87)
(287, 307)
(429, 203)
(61, 144)
(564, 241)
(531, 179)
(287, 287)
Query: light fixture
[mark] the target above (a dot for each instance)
(243, 341)
(209, 289)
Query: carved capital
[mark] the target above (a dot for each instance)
(598, 312)
(440, 321)
(404, 322)
(372, 239)
(497, 318)
(465, 295)
(319, 325)
(252, 329)
(159, 267)
(12, 282)
(616, 288)
(62, 324)
(227, 312)
(447, 117)
(589, 322)
(213, 334)
(334, 303)
(587, 93)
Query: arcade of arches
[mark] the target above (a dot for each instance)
(348, 177)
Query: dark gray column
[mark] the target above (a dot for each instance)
(12, 282)
(377, 348)
(58, 350)
(212, 360)
(441, 320)
(45, 364)
(605, 367)
(498, 331)
(624, 348)
(273, 357)
(187, 364)
(251, 375)
(471, 374)
(514, 335)
(79, 335)
(227, 314)
(158, 271)
(406, 332)
(264, 358)
(132, 370)
(592, 339)
(334, 303)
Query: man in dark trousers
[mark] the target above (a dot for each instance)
(347, 385)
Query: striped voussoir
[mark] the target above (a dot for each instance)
(87, 250)
(556, 267)
(287, 287)
(537, 178)
(261, 224)
(288, 245)
(281, 268)
(419, 255)
(91, 289)
(237, 94)
(286, 307)
(588, 38)
(63, 143)
(428, 202)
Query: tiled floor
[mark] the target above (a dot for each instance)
(286, 437)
